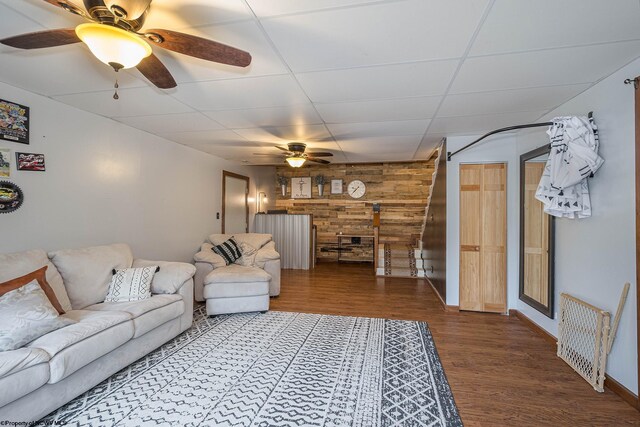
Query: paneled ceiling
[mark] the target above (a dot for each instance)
(367, 80)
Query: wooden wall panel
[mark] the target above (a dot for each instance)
(400, 188)
(483, 237)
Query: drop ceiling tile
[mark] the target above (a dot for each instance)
(47, 71)
(543, 68)
(222, 138)
(301, 114)
(381, 148)
(514, 26)
(166, 123)
(427, 146)
(45, 14)
(132, 102)
(286, 134)
(257, 92)
(346, 131)
(227, 152)
(174, 15)
(481, 124)
(353, 37)
(284, 7)
(243, 35)
(14, 23)
(379, 110)
(389, 81)
(506, 101)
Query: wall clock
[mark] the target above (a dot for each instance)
(356, 188)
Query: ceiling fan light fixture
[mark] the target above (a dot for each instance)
(113, 46)
(296, 161)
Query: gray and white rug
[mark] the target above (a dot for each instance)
(278, 369)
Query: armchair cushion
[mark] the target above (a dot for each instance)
(207, 255)
(255, 240)
(171, 276)
(235, 273)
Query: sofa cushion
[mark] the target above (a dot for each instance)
(21, 383)
(14, 361)
(87, 272)
(20, 263)
(235, 273)
(232, 290)
(95, 334)
(27, 314)
(131, 284)
(171, 276)
(146, 314)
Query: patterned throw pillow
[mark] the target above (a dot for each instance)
(131, 284)
(40, 276)
(26, 314)
(228, 250)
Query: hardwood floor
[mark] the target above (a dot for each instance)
(500, 371)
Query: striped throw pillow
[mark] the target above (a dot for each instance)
(229, 251)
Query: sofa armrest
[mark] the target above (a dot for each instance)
(202, 269)
(273, 268)
(171, 277)
(186, 292)
(266, 253)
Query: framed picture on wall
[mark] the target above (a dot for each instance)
(30, 162)
(14, 122)
(336, 186)
(301, 187)
(5, 162)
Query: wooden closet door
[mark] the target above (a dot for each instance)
(483, 237)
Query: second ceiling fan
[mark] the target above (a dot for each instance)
(114, 37)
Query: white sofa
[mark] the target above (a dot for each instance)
(55, 368)
(243, 286)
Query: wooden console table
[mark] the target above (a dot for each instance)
(365, 240)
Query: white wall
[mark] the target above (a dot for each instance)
(596, 256)
(501, 148)
(106, 182)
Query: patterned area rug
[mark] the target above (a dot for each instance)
(278, 369)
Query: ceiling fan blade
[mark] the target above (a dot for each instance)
(286, 150)
(156, 72)
(40, 39)
(275, 155)
(321, 154)
(198, 47)
(68, 6)
(323, 161)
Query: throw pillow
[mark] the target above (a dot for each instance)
(27, 314)
(40, 276)
(131, 284)
(248, 255)
(228, 250)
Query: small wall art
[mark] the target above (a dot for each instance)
(11, 197)
(336, 186)
(14, 122)
(301, 187)
(30, 162)
(5, 162)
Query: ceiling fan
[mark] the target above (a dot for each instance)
(114, 37)
(296, 157)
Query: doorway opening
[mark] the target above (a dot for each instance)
(235, 203)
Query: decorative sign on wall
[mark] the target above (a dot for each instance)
(336, 186)
(30, 162)
(14, 122)
(5, 162)
(301, 187)
(11, 197)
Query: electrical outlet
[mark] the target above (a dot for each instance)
(217, 215)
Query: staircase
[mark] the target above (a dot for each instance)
(399, 254)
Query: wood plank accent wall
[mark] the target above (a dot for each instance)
(401, 189)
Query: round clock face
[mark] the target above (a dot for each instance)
(356, 188)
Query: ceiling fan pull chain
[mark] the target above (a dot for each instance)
(115, 86)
